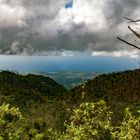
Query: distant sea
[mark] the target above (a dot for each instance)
(77, 63)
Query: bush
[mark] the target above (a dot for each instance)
(11, 122)
(92, 121)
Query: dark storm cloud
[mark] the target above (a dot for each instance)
(39, 26)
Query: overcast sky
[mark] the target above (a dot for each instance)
(46, 27)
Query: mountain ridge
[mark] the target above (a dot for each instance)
(40, 97)
(120, 86)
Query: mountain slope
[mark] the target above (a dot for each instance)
(37, 97)
(12, 83)
(41, 98)
(119, 90)
(120, 87)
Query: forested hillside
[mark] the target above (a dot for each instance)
(38, 98)
(45, 104)
(119, 90)
(121, 87)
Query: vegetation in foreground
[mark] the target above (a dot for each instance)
(91, 121)
(31, 108)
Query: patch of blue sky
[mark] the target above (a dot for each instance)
(69, 4)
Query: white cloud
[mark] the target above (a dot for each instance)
(10, 15)
(48, 27)
(120, 53)
(86, 12)
(57, 53)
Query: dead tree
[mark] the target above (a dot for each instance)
(133, 31)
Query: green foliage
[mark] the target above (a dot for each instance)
(116, 87)
(44, 104)
(36, 97)
(129, 128)
(11, 123)
(119, 90)
(92, 121)
(14, 127)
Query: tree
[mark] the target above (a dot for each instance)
(14, 127)
(92, 121)
(11, 122)
(133, 31)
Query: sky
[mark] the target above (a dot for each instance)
(88, 28)
(96, 64)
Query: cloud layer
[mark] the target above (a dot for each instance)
(45, 27)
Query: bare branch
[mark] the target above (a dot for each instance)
(128, 43)
(132, 20)
(134, 32)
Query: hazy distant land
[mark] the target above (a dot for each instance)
(69, 79)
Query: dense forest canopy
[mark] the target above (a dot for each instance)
(39, 108)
